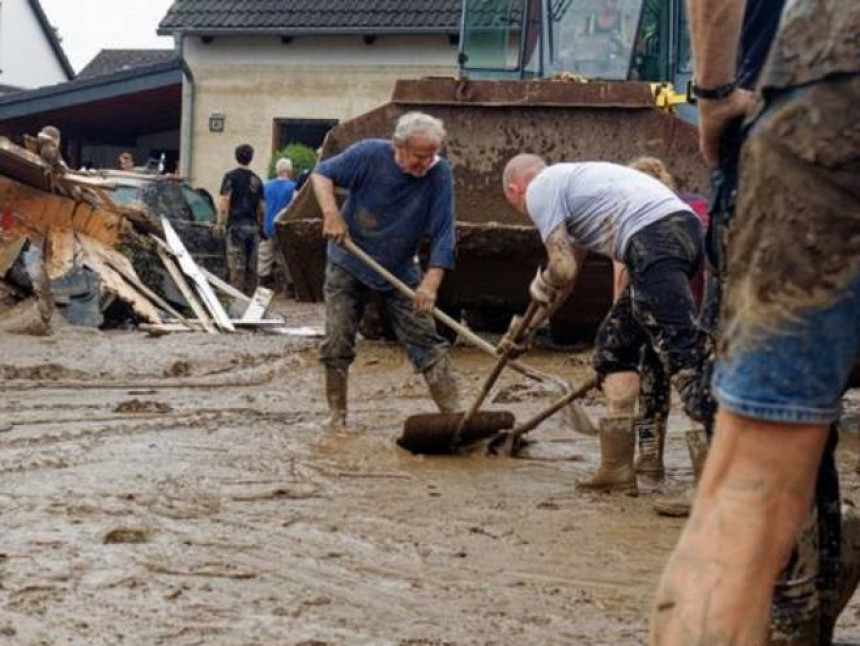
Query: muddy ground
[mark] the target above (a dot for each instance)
(182, 490)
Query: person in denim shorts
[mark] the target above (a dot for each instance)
(790, 335)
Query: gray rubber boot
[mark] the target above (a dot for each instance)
(617, 446)
(336, 396)
(651, 434)
(680, 506)
(443, 386)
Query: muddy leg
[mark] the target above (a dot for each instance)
(427, 350)
(653, 413)
(754, 496)
(344, 301)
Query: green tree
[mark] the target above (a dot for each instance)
(303, 158)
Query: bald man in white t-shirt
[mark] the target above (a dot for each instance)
(636, 220)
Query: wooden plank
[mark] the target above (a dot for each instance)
(214, 280)
(224, 286)
(115, 284)
(179, 279)
(259, 304)
(190, 268)
(40, 211)
(60, 247)
(124, 268)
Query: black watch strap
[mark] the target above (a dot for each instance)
(715, 93)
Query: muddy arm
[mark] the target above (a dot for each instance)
(561, 272)
(334, 227)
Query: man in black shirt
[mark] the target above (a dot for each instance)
(241, 209)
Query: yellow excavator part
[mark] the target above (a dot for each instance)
(665, 96)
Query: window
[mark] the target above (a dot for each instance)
(309, 132)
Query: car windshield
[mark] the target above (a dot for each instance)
(174, 200)
(201, 208)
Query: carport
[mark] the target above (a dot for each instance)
(137, 109)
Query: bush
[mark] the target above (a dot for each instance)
(303, 158)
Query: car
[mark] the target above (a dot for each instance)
(190, 211)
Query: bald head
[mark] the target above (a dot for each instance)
(518, 174)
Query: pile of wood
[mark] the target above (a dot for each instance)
(59, 237)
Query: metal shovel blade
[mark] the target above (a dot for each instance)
(433, 433)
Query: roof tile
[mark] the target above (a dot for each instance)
(311, 15)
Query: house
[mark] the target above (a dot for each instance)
(272, 72)
(30, 52)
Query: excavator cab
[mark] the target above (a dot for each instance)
(607, 40)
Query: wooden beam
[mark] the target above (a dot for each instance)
(179, 279)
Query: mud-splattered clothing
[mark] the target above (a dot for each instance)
(345, 297)
(657, 307)
(388, 212)
(817, 39)
(243, 243)
(791, 318)
(601, 205)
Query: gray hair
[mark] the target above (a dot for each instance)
(419, 124)
(284, 164)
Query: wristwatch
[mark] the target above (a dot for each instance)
(715, 93)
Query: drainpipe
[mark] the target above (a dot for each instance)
(186, 130)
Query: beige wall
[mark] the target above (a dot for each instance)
(253, 81)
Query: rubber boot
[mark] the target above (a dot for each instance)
(651, 434)
(443, 386)
(336, 395)
(617, 446)
(679, 506)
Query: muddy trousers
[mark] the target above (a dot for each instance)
(243, 242)
(657, 309)
(345, 298)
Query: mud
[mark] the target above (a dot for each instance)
(233, 517)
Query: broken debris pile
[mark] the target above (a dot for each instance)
(59, 237)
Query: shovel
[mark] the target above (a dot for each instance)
(419, 426)
(445, 433)
(510, 443)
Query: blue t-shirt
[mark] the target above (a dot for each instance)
(388, 212)
(278, 193)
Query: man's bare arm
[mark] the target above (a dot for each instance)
(223, 210)
(715, 28)
(334, 228)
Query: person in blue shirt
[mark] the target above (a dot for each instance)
(278, 194)
(399, 191)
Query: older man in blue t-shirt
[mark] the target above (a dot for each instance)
(398, 192)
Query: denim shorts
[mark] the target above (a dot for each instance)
(798, 374)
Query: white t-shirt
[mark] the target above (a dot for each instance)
(601, 204)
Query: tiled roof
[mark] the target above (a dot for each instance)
(108, 61)
(312, 16)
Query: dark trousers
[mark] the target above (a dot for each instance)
(243, 243)
(345, 297)
(657, 309)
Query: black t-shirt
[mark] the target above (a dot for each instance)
(246, 191)
(761, 20)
